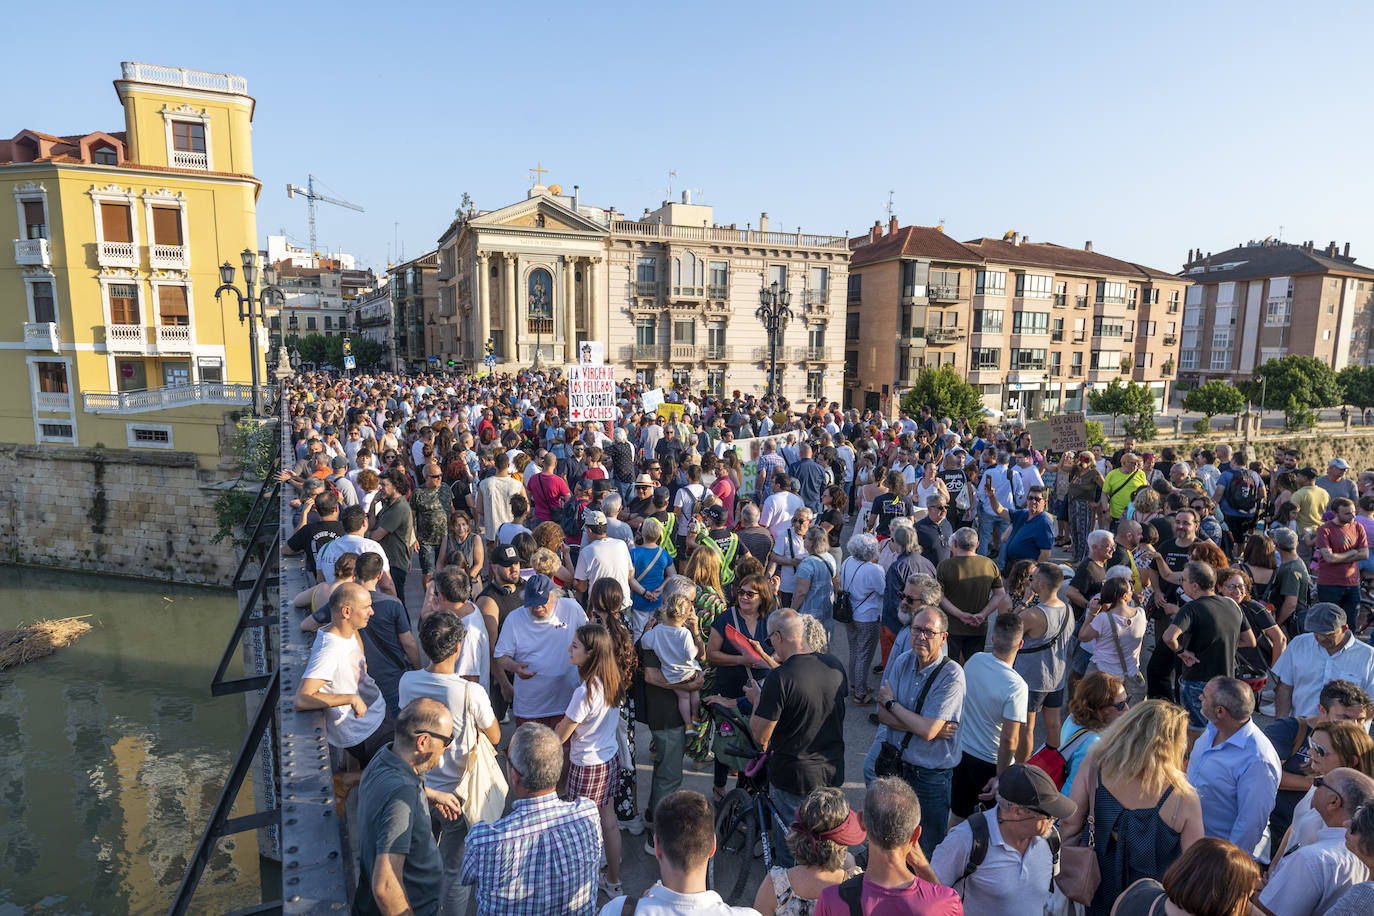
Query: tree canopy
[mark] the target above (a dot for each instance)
(1130, 400)
(328, 351)
(1304, 379)
(1214, 397)
(946, 393)
(1357, 386)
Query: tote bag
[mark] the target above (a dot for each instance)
(482, 787)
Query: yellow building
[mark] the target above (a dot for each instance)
(117, 241)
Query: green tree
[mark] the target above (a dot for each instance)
(1211, 398)
(1298, 416)
(1130, 400)
(1143, 427)
(1357, 386)
(1094, 435)
(1305, 379)
(946, 393)
(311, 347)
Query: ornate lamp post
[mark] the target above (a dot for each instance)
(773, 311)
(249, 305)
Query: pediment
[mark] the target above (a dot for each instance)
(537, 214)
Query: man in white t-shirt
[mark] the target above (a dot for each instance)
(336, 681)
(993, 716)
(533, 646)
(451, 590)
(779, 508)
(603, 557)
(354, 520)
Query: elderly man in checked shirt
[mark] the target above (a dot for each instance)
(544, 856)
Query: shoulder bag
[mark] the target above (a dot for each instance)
(843, 608)
(1080, 874)
(889, 762)
(482, 787)
(1131, 681)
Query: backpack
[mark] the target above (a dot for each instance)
(978, 823)
(571, 519)
(1242, 492)
(1052, 759)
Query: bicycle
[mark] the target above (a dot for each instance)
(743, 813)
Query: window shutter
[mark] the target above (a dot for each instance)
(33, 216)
(124, 304)
(114, 219)
(167, 226)
(171, 305)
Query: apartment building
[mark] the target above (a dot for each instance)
(117, 244)
(1262, 300)
(673, 294)
(414, 301)
(318, 299)
(1034, 326)
(372, 318)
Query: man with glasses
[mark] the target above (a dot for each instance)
(431, 504)
(399, 869)
(922, 721)
(1032, 531)
(1341, 701)
(934, 531)
(1326, 652)
(1315, 876)
(1234, 769)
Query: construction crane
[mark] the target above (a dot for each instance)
(311, 196)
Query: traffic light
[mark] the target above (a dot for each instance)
(347, 346)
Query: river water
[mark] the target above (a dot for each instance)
(112, 751)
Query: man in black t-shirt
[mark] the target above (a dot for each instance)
(311, 537)
(1205, 633)
(799, 716)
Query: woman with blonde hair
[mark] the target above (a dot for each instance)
(549, 535)
(1144, 812)
(1332, 745)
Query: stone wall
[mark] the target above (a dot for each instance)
(135, 513)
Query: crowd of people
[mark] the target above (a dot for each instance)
(1060, 657)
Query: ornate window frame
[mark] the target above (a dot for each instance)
(41, 275)
(164, 197)
(109, 275)
(31, 364)
(31, 190)
(161, 278)
(190, 113)
(114, 194)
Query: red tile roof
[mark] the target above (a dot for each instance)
(910, 241)
(1059, 257)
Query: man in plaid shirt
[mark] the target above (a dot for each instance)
(545, 855)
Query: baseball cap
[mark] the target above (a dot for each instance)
(329, 431)
(339, 462)
(1029, 786)
(1284, 538)
(594, 518)
(1324, 617)
(537, 590)
(660, 494)
(1338, 463)
(505, 555)
(715, 512)
(1309, 472)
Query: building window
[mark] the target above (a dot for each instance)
(1076, 363)
(188, 137)
(987, 321)
(777, 273)
(44, 307)
(1145, 360)
(851, 326)
(908, 278)
(1104, 328)
(61, 432)
(1106, 359)
(682, 377)
(985, 358)
(1278, 312)
(276, 322)
(1024, 359)
(815, 386)
(719, 280)
(52, 378)
(1132, 295)
(646, 332)
(310, 322)
(856, 282)
(35, 219)
(1030, 322)
(1147, 328)
(171, 305)
(1056, 363)
(1034, 286)
(715, 382)
(167, 226)
(1221, 338)
(851, 363)
(645, 377)
(114, 222)
(1111, 293)
(819, 279)
(142, 435)
(991, 283)
(715, 340)
(1221, 360)
(328, 323)
(124, 304)
(684, 332)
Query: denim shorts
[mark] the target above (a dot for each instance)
(1191, 694)
(428, 553)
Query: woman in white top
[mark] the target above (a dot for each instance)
(929, 485)
(589, 728)
(862, 579)
(1332, 745)
(1111, 612)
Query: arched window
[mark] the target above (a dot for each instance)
(540, 294)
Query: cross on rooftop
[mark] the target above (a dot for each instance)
(538, 172)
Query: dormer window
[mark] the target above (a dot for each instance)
(104, 155)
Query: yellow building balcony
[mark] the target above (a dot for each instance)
(32, 253)
(185, 159)
(117, 254)
(42, 335)
(53, 401)
(169, 257)
(174, 339)
(166, 398)
(128, 339)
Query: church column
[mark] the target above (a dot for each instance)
(483, 322)
(570, 308)
(598, 317)
(511, 351)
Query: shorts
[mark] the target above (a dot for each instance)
(592, 781)
(1082, 658)
(1191, 694)
(969, 778)
(1038, 699)
(428, 553)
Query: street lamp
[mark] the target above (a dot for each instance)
(773, 311)
(249, 304)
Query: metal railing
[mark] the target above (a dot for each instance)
(164, 398)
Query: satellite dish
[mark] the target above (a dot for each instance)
(556, 190)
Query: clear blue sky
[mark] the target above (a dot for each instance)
(1147, 128)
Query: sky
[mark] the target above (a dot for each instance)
(1147, 128)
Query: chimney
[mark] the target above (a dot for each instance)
(1347, 250)
(1331, 249)
(1088, 245)
(892, 226)
(1016, 238)
(1190, 257)
(574, 206)
(1026, 239)
(763, 221)
(686, 196)
(876, 232)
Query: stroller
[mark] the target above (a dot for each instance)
(725, 732)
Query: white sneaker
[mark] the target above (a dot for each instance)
(635, 825)
(610, 890)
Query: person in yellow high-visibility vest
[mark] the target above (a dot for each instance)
(722, 540)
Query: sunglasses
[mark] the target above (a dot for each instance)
(447, 739)
(435, 476)
(747, 593)
(1122, 706)
(1319, 751)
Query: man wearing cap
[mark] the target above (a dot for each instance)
(338, 479)
(1328, 651)
(604, 557)
(1340, 546)
(714, 535)
(1336, 483)
(1290, 590)
(496, 601)
(533, 646)
(1014, 876)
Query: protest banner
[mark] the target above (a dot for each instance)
(591, 394)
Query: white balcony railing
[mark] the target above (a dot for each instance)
(126, 338)
(174, 338)
(181, 76)
(32, 253)
(56, 401)
(183, 159)
(165, 398)
(169, 257)
(42, 335)
(117, 254)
